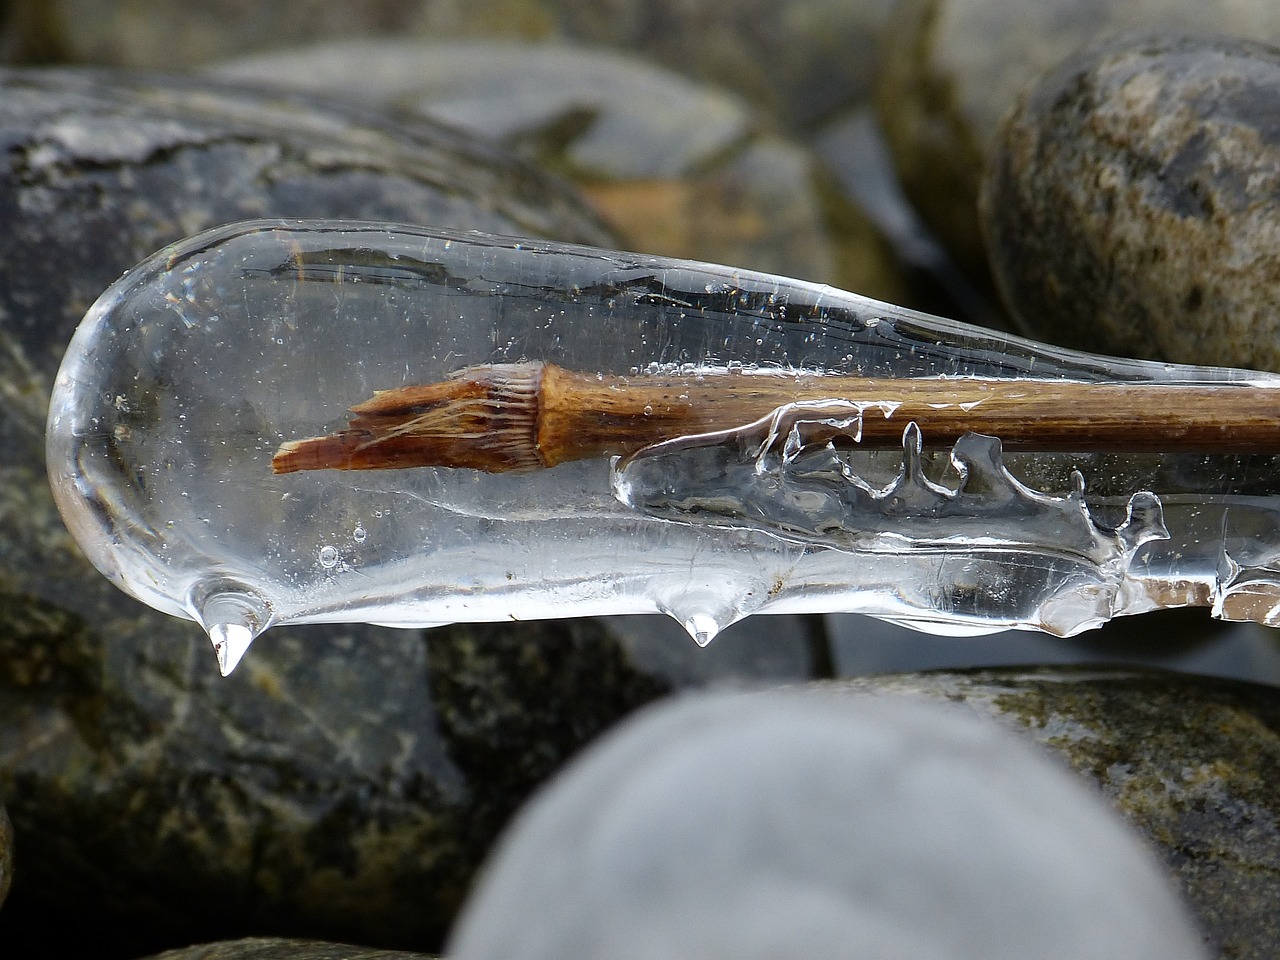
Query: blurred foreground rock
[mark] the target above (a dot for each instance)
(1131, 204)
(815, 825)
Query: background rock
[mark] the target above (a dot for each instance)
(676, 168)
(952, 68)
(797, 58)
(1189, 761)
(1131, 202)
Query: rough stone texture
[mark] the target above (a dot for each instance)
(1131, 203)
(1191, 762)
(334, 786)
(6, 854)
(798, 58)
(676, 168)
(264, 948)
(952, 68)
(813, 826)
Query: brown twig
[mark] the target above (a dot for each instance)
(526, 416)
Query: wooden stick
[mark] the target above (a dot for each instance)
(527, 416)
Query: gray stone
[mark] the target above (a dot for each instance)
(676, 168)
(813, 825)
(1131, 203)
(798, 58)
(616, 117)
(952, 68)
(1191, 762)
(265, 948)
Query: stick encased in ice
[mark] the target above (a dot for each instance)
(529, 429)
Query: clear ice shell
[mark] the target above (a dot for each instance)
(189, 372)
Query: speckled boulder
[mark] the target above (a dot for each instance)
(266, 948)
(1133, 202)
(952, 68)
(1191, 762)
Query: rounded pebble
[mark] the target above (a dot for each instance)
(779, 825)
(952, 68)
(1131, 206)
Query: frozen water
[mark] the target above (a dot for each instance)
(191, 371)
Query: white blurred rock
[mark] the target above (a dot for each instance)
(814, 825)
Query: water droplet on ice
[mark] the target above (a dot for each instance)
(358, 535)
(702, 627)
(328, 557)
(232, 616)
(231, 642)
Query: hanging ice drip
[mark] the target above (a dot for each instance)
(288, 422)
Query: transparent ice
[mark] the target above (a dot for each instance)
(189, 372)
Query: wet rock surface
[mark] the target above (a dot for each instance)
(816, 825)
(952, 68)
(676, 168)
(1130, 204)
(264, 948)
(1191, 762)
(344, 782)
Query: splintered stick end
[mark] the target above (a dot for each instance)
(484, 418)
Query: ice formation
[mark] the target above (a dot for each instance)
(1155, 487)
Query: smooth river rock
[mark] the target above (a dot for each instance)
(1190, 762)
(345, 782)
(815, 825)
(952, 68)
(1131, 204)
